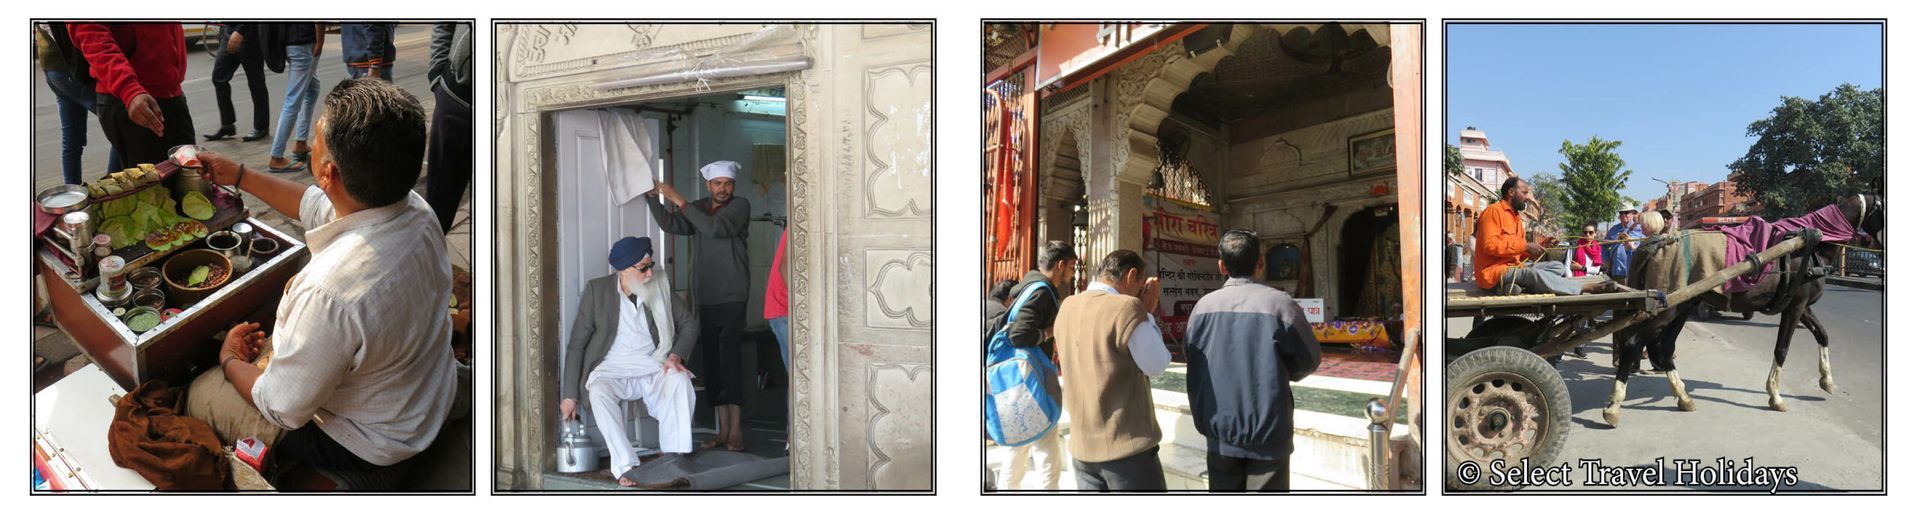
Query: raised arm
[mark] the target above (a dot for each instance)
(672, 221)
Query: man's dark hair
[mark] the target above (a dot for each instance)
(1001, 290)
(1055, 253)
(377, 134)
(1118, 263)
(1507, 187)
(1240, 252)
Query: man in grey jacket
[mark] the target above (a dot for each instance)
(717, 226)
(628, 355)
(1245, 341)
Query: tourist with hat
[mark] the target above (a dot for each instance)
(632, 338)
(1620, 253)
(716, 227)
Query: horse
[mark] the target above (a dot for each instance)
(1801, 275)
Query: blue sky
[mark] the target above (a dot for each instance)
(1679, 97)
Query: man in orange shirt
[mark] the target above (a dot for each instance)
(1502, 252)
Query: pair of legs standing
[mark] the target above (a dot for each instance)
(75, 99)
(296, 111)
(250, 60)
(720, 326)
(1042, 455)
(1137, 472)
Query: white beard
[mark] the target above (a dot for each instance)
(632, 285)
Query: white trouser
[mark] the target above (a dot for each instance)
(669, 399)
(1046, 450)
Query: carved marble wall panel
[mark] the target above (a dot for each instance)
(897, 109)
(899, 289)
(886, 397)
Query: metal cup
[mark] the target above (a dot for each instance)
(225, 242)
(264, 247)
(245, 233)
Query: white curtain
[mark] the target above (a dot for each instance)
(630, 155)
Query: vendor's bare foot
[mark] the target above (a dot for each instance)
(628, 483)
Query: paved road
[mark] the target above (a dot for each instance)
(1833, 440)
(410, 72)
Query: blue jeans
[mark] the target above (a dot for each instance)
(74, 99)
(779, 326)
(303, 89)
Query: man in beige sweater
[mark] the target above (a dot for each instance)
(1109, 347)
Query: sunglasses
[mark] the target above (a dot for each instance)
(643, 268)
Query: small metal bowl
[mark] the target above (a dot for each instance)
(153, 298)
(146, 278)
(136, 311)
(61, 199)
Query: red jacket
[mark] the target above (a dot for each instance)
(776, 301)
(133, 58)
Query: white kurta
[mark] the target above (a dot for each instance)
(630, 372)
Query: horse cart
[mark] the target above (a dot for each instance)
(1504, 399)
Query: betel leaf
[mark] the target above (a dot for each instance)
(198, 276)
(196, 206)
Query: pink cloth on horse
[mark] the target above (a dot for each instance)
(1757, 234)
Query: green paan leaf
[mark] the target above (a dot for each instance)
(199, 275)
(196, 206)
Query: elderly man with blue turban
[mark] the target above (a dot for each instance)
(631, 354)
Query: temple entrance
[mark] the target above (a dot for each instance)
(1368, 263)
(670, 140)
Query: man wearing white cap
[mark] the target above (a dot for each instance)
(717, 226)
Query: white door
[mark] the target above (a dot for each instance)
(588, 221)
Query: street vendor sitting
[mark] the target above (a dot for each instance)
(362, 372)
(1503, 258)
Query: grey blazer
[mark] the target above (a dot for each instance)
(598, 321)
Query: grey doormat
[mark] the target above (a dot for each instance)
(706, 470)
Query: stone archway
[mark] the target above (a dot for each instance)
(1065, 134)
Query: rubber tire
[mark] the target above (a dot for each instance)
(1467, 370)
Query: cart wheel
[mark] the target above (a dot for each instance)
(1503, 403)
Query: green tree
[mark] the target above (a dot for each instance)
(1812, 151)
(1591, 177)
(1452, 162)
(1552, 196)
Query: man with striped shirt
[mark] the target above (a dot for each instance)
(363, 372)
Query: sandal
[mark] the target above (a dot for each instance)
(294, 167)
(300, 157)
